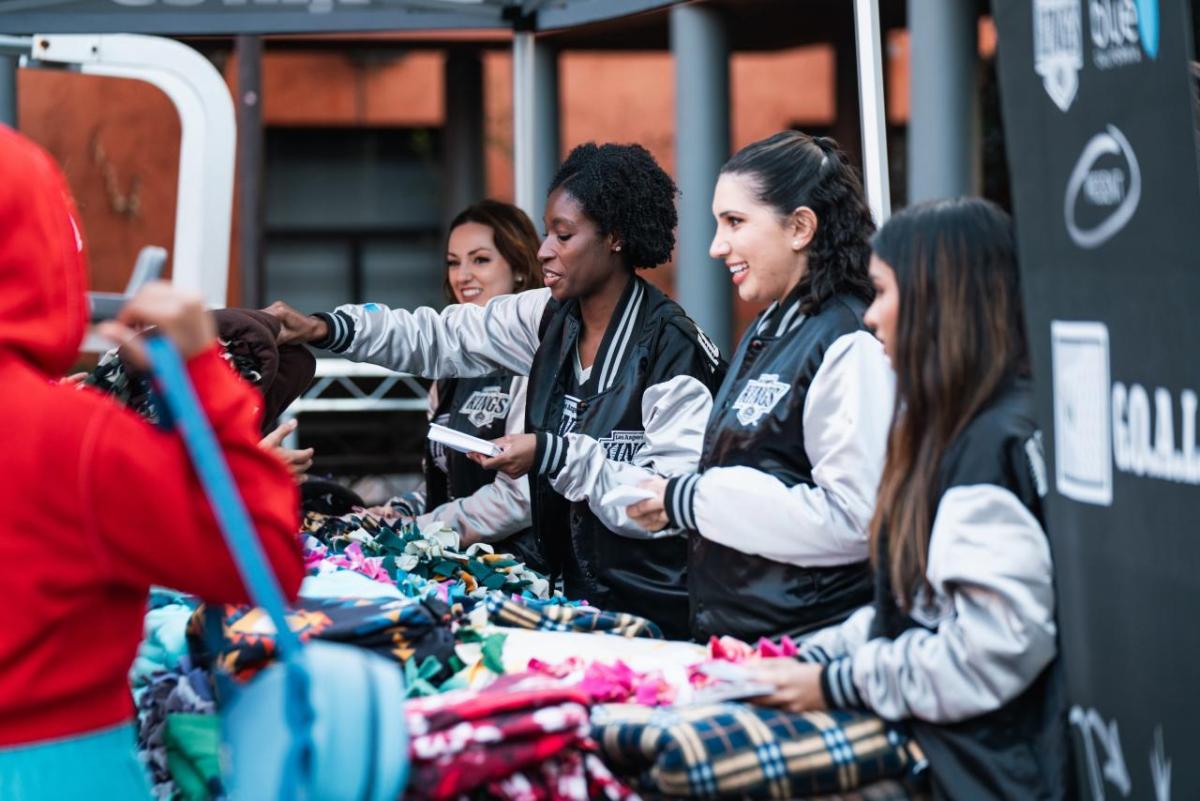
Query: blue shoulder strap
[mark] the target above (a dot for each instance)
(260, 581)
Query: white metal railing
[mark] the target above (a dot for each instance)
(392, 392)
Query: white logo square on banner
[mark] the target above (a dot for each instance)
(1082, 422)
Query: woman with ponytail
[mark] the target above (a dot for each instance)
(793, 449)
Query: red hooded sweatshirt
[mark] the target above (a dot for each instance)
(96, 504)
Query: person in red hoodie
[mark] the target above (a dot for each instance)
(96, 504)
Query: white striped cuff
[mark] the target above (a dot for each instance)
(837, 685)
(551, 453)
(341, 331)
(814, 653)
(679, 501)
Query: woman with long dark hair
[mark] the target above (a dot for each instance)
(620, 379)
(794, 447)
(491, 250)
(961, 638)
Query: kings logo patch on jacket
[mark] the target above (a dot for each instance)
(486, 405)
(758, 398)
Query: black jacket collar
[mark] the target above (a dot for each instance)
(618, 336)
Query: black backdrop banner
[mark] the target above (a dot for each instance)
(1100, 126)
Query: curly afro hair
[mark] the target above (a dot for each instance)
(792, 169)
(622, 188)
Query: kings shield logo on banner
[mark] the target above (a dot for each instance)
(485, 405)
(1058, 48)
(759, 397)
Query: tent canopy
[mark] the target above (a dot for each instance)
(203, 17)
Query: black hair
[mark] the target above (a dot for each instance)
(624, 191)
(791, 169)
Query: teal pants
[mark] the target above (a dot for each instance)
(98, 766)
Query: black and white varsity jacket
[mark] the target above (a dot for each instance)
(458, 493)
(641, 413)
(973, 666)
(792, 457)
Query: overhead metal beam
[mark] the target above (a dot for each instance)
(164, 17)
(567, 15)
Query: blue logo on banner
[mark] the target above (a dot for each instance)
(1148, 26)
(371, 307)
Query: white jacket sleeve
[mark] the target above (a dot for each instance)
(847, 413)
(463, 340)
(499, 509)
(991, 628)
(674, 414)
(838, 640)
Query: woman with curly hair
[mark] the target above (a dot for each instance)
(785, 490)
(620, 379)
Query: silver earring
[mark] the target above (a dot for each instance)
(617, 248)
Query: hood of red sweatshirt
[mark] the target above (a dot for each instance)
(43, 266)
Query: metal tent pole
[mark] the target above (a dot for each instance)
(535, 121)
(943, 133)
(8, 90)
(463, 163)
(250, 169)
(701, 52)
(871, 105)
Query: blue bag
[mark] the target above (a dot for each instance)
(326, 721)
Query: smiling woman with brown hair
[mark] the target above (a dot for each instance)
(491, 250)
(792, 452)
(620, 379)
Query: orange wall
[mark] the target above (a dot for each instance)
(118, 143)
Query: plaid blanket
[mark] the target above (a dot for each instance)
(743, 751)
(524, 613)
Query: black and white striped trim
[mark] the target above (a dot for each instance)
(620, 340)
(789, 320)
(679, 501)
(837, 685)
(815, 654)
(551, 453)
(341, 331)
(765, 320)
